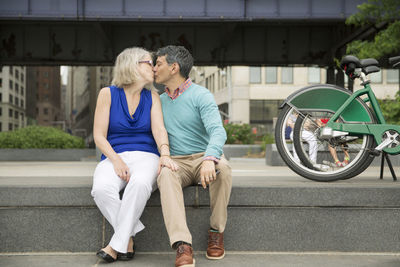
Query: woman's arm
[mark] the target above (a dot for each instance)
(160, 134)
(100, 128)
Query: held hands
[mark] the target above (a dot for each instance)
(121, 169)
(166, 161)
(207, 173)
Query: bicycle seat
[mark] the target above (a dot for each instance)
(395, 61)
(349, 65)
(369, 62)
(347, 60)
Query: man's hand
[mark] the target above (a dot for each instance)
(207, 172)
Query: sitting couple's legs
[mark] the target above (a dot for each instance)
(124, 214)
(170, 185)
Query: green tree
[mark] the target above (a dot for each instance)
(391, 109)
(377, 13)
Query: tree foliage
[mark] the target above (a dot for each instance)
(377, 13)
(391, 109)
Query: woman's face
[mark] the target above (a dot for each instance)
(145, 69)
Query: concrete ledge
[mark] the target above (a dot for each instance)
(7, 154)
(79, 154)
(273, 158)
(306, 217)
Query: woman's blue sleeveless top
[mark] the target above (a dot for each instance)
(126, 132)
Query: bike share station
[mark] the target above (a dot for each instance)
(329, 116)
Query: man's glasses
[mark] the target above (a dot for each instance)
(150, 62)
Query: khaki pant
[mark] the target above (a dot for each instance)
(171, 184)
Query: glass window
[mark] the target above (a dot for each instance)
(1, 111)
(1, 126)
(1, 97)
(1, 82)
(376, 77)
(255, 75)
(10, 113)
(22, 90)
(11, 84)
(314, 75)
(22, 77)
(45, 111)
(16, 114)
(16, 87)
(287, 75)
(10, 99)
(263, 111)
(11, 70)
(16, 101)
(270, 74)
(17, 74)
(392, 76)
(22, 103)
(10, 126)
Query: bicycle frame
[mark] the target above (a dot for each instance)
(375, 129)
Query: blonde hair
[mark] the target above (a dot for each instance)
(126, 66)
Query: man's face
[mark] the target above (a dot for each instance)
(162, 71)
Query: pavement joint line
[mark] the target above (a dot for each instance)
(200, 252)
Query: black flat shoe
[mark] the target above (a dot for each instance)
(105, 256)
(127, 256)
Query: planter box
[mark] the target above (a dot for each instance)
(9, 154)
(237, 151)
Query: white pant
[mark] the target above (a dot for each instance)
(312, 145)
(124, 214)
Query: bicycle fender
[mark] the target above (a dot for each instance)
(329, 97)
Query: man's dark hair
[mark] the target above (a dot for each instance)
(178, 54)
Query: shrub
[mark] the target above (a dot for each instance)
(39, 137)
(267, 139)
(239, 134)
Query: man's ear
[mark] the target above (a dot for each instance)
(175, 68)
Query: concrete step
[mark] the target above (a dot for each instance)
(232, 259)
(271, 209)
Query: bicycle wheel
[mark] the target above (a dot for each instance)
(317, 160)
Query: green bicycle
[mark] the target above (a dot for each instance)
(329, 122)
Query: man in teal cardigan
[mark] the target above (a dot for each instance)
(196, 138)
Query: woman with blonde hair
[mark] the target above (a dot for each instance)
(129, 131)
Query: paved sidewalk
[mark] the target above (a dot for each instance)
(235, 259)
(245, 172)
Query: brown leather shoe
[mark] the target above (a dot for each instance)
(184, 256)
(215, 249)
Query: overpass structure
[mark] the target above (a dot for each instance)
(217, 32)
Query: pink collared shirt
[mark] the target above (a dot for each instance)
(182, 88)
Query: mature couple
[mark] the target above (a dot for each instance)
(130, 128)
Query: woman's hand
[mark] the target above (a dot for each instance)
(121, 169)
(166, 161)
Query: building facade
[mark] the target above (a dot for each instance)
(83, 85)
(253, 95)
(12, 98)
